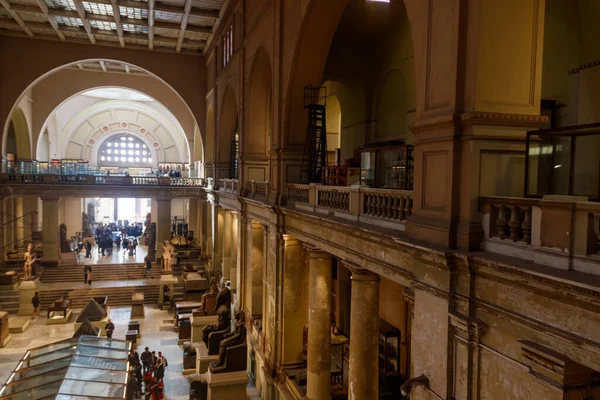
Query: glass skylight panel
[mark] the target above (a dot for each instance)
(135, 28)
(134, 13)
(97, 8)
(103, 25)
(69, 21)
(62, 4)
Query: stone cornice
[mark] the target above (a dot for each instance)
(504, 119)
(590, 64)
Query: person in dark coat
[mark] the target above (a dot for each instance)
(109, 328)
(133, 357)
(88, 249)
(146, 359)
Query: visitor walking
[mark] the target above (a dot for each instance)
(109, 328)
(88, 249)
(87, 274)
(148, 270)
(146, 359)
(35, 301)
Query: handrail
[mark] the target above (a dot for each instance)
(100, 180)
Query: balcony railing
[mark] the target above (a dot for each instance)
(99, 180)
(558, 233)
(383, 207)
(228, 185)
(259, 189)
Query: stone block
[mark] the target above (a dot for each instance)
(198, 323)
(203, 360)
(228, 385)
(26, 291)
(19, 324)
(59, 319)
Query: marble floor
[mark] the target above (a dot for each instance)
(157, 334)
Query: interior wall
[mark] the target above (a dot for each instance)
(392, 309)
(227, 125)
(258, 113)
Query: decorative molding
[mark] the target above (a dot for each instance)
(472, 327)
(495, 118)
(587, 65)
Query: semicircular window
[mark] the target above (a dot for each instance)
(124, 150)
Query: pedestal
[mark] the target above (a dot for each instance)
(4, 329)
(137, 306)
(5, 339)
(59, 320)
(19, 324)
(26, 291)
(198, 323)
(203, 360)
(228, 385)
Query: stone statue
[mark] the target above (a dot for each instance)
(30, 257)
(222, 324)
(151, 231)
(224, 298)
(65, 247)
(85, 225)
(230, 357)
(168, 256)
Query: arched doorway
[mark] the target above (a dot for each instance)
(17, 140)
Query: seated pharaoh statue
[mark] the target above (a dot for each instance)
(224, 298)
(222, 325)
(232, 349)
(208, 301)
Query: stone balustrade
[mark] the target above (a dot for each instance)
(333, 197)
(383, 207)
(100, 180)
(298, 193)
(228, 185)
(562, 232)
(387, 204)
(259, 189)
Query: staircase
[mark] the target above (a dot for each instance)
(178, 291)
(9, 301)
(315, 146)
(100, 272)
(117, 296)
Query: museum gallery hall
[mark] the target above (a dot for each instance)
(300, 199)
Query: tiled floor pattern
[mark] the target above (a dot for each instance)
(157, 334)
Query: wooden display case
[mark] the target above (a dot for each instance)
(389, 359)
(387, 165)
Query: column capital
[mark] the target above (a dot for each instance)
(316, 253)
(364, 276)
(49, 198)
(289, 240)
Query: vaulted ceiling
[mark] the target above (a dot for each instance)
(160, 25)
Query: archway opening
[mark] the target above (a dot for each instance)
(17, 141)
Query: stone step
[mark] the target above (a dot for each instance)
(117, 296)
(100, 272)
(9, 301)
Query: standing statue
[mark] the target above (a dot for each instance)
(168, 256)
(236, 360)
(151, 231)
(85, 225)
(30, 257)
(65, 247)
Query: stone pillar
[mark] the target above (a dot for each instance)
(116, 209)
(227, 220)
(233, 265)
(364, 337)
(50, 235)
(163, 223)
(318, 375)
(9, 224)
(19, 216)
(193, 216)
(209, 228)
(30, 220)
(201, 225)
(254, 269)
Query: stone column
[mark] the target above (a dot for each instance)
(217, 237)
(19, 216)
(201, 225)
(50, 235)
(193, 217)
(227, 245)
(30, 221)
(233, 265)
(209, 229)
(163, 223)
(364, 337)
(318, 375)
(254, 269)
(9, 227)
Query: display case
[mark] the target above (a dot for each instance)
(82, 168)
(29, 167)
(387, 165)
(389, 358)
(55, 167)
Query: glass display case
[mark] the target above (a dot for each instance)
(82, 168)
(55, 167)
(387, 165)
(85, 367)
(44, 167)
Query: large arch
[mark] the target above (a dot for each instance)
(316, 34)
(228, 123)
(259, 121)
(17, 140)
(183, 75)
(55, 89)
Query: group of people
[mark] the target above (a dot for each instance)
(170, 173)
(149, 370)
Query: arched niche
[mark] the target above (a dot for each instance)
(259, 123)
(209, 154)
(228, 125)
